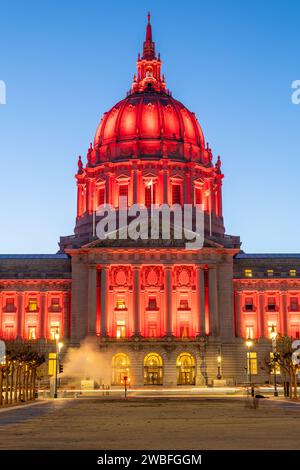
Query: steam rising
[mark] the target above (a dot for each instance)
(87, 363)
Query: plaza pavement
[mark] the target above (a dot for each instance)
(152, 423)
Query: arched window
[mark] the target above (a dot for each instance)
(120, 368)
(185, 366)
(153, 369)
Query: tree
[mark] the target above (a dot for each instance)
(18, 374)
(285, 358)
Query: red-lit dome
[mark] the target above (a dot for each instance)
(149, 121)
(157, 121)
(149, 149)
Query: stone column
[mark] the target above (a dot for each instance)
(238, 312)
(166, 184)
(201, 300)
(261, 315)
(43, 315)
(92, 300)
(66, 312)
(107, 184)
(79, 299)
(187, 187)
(168, 300)
(134, 186)
(213, 301)
(20, 315)
(136, 301)
(103, 301)
(284, 314)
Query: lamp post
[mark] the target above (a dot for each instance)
(274, 347)
(125, 378)
(219, 361)
(249, 344)
(58, 347)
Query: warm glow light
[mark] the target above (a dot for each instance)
(149, 183)
(60, 346)
(57, 336)
(273, 333)
(219, 359)
(249, 343)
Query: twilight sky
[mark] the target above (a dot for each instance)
(231, 62)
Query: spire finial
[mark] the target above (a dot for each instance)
(149, 67)
(148, 29)
(149, 46)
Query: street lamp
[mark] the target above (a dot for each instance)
(219, 361)
(58, 347)
(249, 344)
(273, 336)
(126, 379)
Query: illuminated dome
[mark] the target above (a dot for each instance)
(149, 122)
(161, 124)
(149, 149)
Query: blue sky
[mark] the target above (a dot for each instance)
(231, 62)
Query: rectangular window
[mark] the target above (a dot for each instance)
(248, 273)
(10, 305)
(270, 272)
(32, 333)
(32, 305)
(198, 196)
(120, 329)
(150, 195)
(184, 304)
(275, 369)
(252, 363)
(152, 330)
(271, 304)
(101, 196)
(55, 305)
(152, 305)
(8, 331)
(123, 191)
(249, 304)
(250, 332)
(54, 330)
(293, 272)
(295, 330)
(184, 330)
(120, 304)
(294, 304)
(176, 194)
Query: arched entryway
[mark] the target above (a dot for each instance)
(185, 367)
(120, 368)
(153, 369)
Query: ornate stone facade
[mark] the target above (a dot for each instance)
(161, 313)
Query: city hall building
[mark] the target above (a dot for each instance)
(161, 313)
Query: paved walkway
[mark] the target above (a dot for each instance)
(152, 423)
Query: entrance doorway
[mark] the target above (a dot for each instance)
(153, 369)
(185, 366)
(120, 368)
